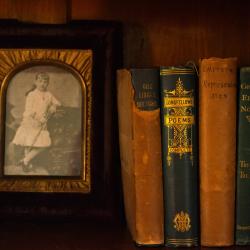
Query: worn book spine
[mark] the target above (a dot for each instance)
(243, 161)
(140, 152)
(217, 149)
(179, 135)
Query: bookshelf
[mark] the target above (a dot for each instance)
(155, 33)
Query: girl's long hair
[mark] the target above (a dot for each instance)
(33, 87)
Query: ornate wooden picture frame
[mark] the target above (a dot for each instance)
(84, 54)
(45, 120)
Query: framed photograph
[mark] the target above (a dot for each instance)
(59, 149)
(46, 120)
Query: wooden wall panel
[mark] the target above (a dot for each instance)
(164, 32)
(7, 9)
(42, 11)
(37, 11)
(156, 32)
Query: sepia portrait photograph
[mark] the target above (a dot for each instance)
(46, 118)
(43, 123)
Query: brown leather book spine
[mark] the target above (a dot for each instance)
(140, 151)
(217, 143)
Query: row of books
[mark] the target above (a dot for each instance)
(179, 129)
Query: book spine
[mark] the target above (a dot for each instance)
(217, 150)
(179, 155)
(243, 162)
(140, 151)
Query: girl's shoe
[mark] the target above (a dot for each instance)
(26, 167)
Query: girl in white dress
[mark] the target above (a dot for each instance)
(33, 134)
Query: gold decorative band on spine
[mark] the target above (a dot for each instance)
(176, 72)
(182, 241)
(181, 73)
(191, 239)
(181, 244)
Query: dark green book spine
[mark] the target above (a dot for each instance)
(179, 135)
(146, 85)
(243, 161)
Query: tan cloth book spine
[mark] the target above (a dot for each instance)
(217, 143)
(140, 151)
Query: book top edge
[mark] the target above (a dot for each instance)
(219, 59)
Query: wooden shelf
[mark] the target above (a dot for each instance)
(64, 236)
(158, 32)
(71, 236)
